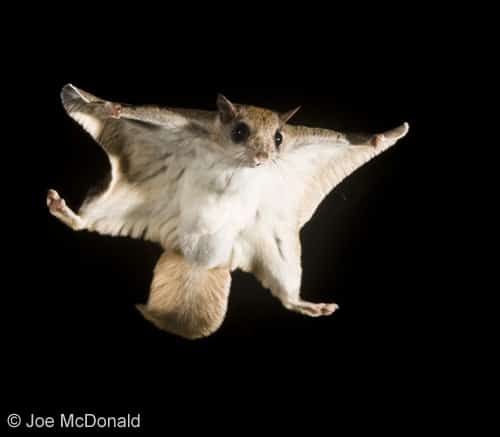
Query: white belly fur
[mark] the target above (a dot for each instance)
(216, 204)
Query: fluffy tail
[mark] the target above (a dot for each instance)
(187, 301)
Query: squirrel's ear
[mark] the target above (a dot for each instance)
(227, 110)
(288, 115)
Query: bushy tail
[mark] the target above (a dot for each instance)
(187, 301)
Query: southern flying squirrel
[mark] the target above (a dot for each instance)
(218, 191)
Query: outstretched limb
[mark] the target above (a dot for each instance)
(278, 267)
(320, 159)
(145, 160)
(58, 208)
(311, 309)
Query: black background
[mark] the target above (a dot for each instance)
(74, 341)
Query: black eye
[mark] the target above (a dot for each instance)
(278, 139)
(240, 133)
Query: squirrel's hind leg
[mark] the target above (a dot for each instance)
(277, 266)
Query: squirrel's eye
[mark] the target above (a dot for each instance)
(240, 133)
(278, 139)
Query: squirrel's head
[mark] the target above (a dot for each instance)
(251, 135)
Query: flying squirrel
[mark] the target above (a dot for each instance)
(218, 190)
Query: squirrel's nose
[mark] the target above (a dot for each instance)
(260, 157)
